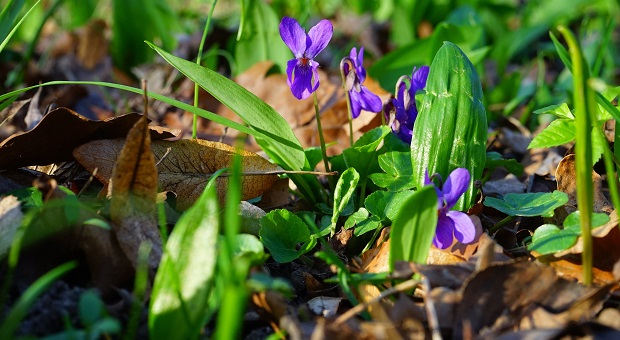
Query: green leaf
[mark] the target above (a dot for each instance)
(397, 167)
(8, 16)
(558, 110)
(184, 280)
(395, 202)
(90, 307)
(548, 238)
(260, 39)
(560, 131)
(528, 204)
(451, 128)
(414, 227)
(342, 194)
(363, 154)
(249, 247)
(496, 160)
(136, 21)
(362, 221)
(281, 145)
(281, 231)
(572, 220)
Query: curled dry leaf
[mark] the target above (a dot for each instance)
(58, 133)
(566, 178)
(184, 166)
(133, 186)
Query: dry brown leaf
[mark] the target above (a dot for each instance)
(133, 187)
(93, 46)
(184, 166)
(501, 296)
(566, 178)
(58, 133)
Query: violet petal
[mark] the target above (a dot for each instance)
(456, 184)
(293, 36)
(302, 82)
(320, 35)
(444, 234)
(418, 78)
(290, 67)
(464, 229)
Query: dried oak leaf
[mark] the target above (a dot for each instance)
(184, 166)
(133, 186)
(59, 132)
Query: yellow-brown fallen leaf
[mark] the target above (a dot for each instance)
(184, 166)
(133, 187)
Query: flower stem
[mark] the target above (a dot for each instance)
(583, 150)
(198, 61)
(321, 139)
(350, 118)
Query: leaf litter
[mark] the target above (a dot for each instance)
(472, 291)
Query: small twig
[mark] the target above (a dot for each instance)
(399, 288)
(431, 313)
(88, 182)
(164, 156)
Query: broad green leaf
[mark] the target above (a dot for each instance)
(495, 160)
(395, 203)
(363, 154)
(250, 247)
(184, 280)
(451, 128)
(281, 145)
(397, 167)
(281, 231)
(414, 227)
(558, 110)
(528, 204)
(572, 220)
(560, 131)
(90, 307)
(362, 221)
(548, 238)
(342, 194)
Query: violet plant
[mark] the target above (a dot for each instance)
(302, 71)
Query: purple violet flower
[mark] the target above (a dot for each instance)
(360, 97)
(451, 223)
(303, 77)
(403, 106)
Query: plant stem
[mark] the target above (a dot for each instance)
(198, 61)
(501, 223)
(321, 139)
(583, 151)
